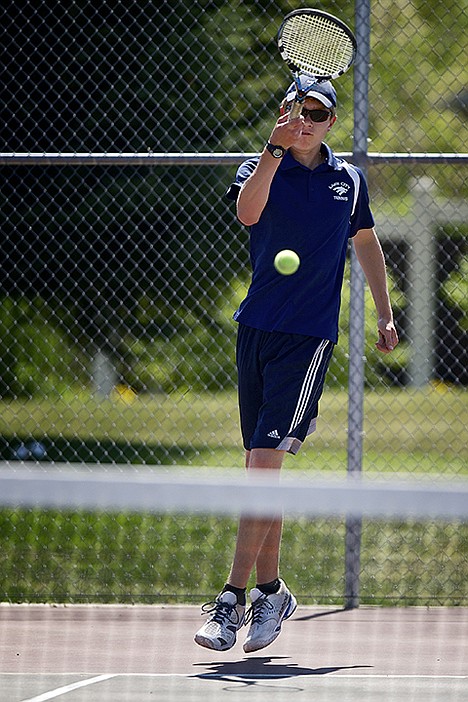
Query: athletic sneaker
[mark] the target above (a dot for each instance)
(267, 613)
(220, 630)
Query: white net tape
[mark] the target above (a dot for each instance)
(228, 492)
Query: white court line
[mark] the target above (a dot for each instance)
(329, 676)
(270, 676)
(281, 676)
(68, 688)
(90, 681)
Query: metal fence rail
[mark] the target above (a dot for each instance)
(208, 159)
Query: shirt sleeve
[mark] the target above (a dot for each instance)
(362, 217)
(243, 172)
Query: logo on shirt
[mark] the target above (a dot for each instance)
(341, 190)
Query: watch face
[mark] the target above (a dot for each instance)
(276, 151)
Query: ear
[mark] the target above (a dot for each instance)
(332, 122)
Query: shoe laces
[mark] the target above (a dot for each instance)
(222, 611)
(259, 610)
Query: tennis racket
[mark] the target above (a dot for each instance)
(317, 44)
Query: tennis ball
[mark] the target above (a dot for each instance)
(287, 262)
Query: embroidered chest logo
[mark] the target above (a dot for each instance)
(340, 190)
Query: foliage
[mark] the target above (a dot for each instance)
(34, 354)
(417, 76)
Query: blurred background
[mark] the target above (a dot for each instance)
(118, 282)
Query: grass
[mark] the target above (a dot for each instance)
(83, 557)
(405, 431)
(78, 556)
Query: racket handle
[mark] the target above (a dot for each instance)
(296, 109)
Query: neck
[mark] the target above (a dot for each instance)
(310, 159)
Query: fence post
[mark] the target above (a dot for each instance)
(421, 276)
(356, 309)
(355, 428)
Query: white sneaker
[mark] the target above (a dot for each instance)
(220, 630)
(267, 613)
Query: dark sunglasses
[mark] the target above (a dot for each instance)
(315, 115)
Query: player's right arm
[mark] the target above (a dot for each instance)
(255, 190)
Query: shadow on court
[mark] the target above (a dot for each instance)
(261, 668)
(104, 653)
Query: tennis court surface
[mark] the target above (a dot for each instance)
(112, 652)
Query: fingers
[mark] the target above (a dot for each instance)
(286, 132)
(381, 344)
(387, 340)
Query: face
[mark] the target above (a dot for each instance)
(314, 133)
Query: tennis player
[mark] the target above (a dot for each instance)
(297, 195)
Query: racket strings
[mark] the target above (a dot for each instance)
(317, 46)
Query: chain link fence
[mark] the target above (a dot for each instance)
(120, 274)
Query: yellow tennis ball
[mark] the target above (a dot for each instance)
(287, 262)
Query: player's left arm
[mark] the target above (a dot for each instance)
(371, 257)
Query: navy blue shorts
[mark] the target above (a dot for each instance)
(281, 379)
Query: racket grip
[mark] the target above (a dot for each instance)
(296, 110)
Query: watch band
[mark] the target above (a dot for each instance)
(275, 150)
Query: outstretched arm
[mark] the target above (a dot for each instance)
(370, 256)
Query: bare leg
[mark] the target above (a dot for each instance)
(267, 564)
(258, 540)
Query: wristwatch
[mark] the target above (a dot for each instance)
(275, 150)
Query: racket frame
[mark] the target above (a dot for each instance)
(297, 71)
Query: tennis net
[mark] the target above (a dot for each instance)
(103, 571)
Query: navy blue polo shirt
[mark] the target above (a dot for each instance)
(312, 212)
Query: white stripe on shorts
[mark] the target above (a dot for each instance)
(308, 386)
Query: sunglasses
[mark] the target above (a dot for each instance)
(315, 115)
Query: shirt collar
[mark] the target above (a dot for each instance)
(330, 159)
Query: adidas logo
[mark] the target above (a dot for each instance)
(274, 434)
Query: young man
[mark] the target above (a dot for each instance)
(296, 195)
